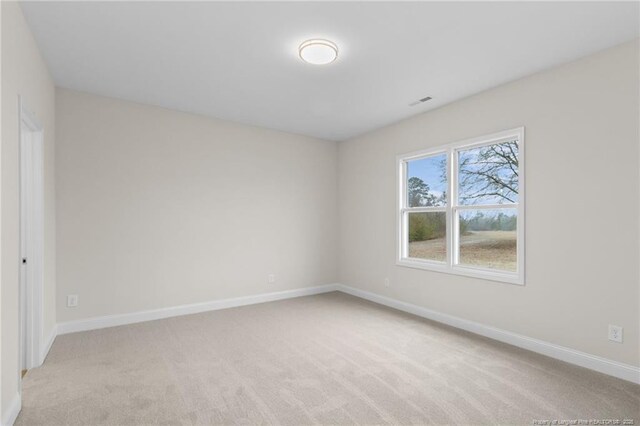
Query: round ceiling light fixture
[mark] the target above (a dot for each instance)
(318, 51)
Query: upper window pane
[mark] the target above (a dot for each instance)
(427, 181)
(488, 174)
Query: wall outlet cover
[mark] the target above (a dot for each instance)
(72, 301)
(615, 333)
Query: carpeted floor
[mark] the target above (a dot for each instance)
(326, 359)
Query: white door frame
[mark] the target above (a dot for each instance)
(31, 239)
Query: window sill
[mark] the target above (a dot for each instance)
(441, 267)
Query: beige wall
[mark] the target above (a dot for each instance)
(582, 133)
(23, 73)
(158, 208)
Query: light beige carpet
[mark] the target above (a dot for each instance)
(327, 359)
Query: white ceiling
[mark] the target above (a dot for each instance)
(238, 61)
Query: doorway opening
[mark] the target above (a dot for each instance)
(31, 240)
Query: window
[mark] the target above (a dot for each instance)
(461, 208)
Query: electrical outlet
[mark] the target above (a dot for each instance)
(72, 301)
(387, 283)
(271, 278)
(615, 333)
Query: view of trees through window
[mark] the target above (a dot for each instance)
(487, 197)
(427, 187)
(488, 238)
(427, 233)
(488, 174)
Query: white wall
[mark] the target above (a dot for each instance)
(23, 73)
(158, 208)
(582, 133)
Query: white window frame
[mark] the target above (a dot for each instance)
(452, 208)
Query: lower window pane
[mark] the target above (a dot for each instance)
(488, 239)
(427, 232)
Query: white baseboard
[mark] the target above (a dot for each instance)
(135, 317)
(47, 344)
(9, 418)
(602, 365)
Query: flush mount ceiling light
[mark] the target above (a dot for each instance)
(318, 51)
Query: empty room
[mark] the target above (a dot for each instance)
(319, 213)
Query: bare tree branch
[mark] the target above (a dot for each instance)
(492, 171)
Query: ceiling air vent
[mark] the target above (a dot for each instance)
(418, 102)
